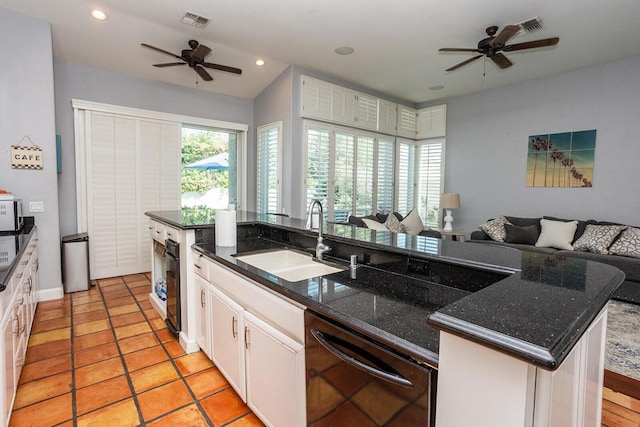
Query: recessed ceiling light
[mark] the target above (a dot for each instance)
(98, 14)
(260, 62)
(438, 87)
(344, 50)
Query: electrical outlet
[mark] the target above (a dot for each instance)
(36, 207)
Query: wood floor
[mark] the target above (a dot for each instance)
(620, 401)
(104, 357)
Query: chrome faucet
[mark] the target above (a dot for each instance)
(321, 248)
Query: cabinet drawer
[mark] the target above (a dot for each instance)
(157, 231)
(200, 264)
(173, 234)
(280, 313)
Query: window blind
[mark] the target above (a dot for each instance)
(268, 170)
(317, 180)
(406, 176)
(430, 181)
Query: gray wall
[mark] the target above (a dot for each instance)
(272, 105)
(90, 84)
(487, 136)
(27, 108)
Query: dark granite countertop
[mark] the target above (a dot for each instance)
(537, 311)
(12, 246)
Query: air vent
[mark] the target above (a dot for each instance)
(532, 25)
(192, 19)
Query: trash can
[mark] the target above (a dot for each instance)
(75, 263)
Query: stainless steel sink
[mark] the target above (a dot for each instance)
(289, 265)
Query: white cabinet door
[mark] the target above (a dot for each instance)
(406, 121)
(275, 374)
(387, 116)
(228, 342)
(432, 122)
(316, 99)
(8, 368)
(366, 111)
(343, 105)
(203, 315)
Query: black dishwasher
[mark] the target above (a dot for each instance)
(352, 380)
(173, 285)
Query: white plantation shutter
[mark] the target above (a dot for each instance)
(364, 175)
(406, 176)
(343, 191)
(367, 111)
(407, 120)
(430, 181)
(317, 179)
(132, 166)
(269, 182)
(384, 169)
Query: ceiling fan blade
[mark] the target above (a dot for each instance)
(203, 73)
(169, 64)
(501, 60)
(222, 68)
(160, 50)
(201, 52)
(532, 44)
(455, 67)
(505, 35)
(455, 49)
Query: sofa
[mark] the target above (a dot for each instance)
(411, 223)
(607, 242)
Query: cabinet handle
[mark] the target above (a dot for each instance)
(234, 326)
(246, 337)
(17, 330)
(202, 297)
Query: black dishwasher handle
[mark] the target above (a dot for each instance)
(392, 377)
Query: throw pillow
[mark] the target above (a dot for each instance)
(628, 244)
(527, 235)
(412, 223)
(556, 234)
(495, 228)
(598, 238)
(394, 225)
(374, 225)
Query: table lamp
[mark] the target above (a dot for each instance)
(449, 201)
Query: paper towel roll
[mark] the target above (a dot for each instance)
(225, 227)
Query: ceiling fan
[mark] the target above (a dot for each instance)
(493, 46)
(194, 58)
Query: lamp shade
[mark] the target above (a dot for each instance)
(450, 201)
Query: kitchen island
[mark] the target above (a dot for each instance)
(483, 308)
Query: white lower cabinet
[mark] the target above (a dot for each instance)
(275, 374)
(18, 305)
(257, 342)
(203, 315)
(228, 346)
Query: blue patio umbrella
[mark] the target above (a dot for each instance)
(219, 162)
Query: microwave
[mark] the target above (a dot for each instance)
(11, 215)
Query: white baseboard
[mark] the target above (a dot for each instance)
(189, 346)
(50, 294)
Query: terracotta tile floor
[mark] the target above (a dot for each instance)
(104, 357)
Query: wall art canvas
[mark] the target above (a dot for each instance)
(561, 159)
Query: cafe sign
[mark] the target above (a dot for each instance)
(26, 157)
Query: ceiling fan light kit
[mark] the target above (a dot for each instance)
(194, 58)
(495, 43)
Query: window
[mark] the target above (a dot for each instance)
(384, 182)
(430, 180)
(406, 175)
(350, 172)
(269, 191)
(317, 166)
(420, 178)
